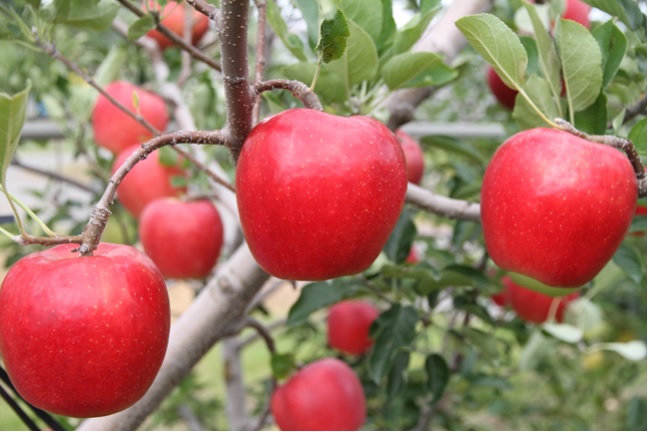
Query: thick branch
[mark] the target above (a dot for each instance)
(444, 206)
(195, 52)
(239, 94)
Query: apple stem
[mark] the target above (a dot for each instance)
(616, 142)
(195, 52)
(297, 88)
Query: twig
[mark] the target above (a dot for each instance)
(267, 338)
(638, 109)
(297, 88)
(616, 142)
(211, 174)
(205, 8)
(100, 213)
(54, 175)
(444, 206)
(195, 52)
(261, 6)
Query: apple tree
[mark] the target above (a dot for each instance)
(447, 197)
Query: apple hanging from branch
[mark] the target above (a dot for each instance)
(83, 336)
(532, 306)
(555, 207)
(414, 159)
(348, 326)
(173, 17)
(319, 194)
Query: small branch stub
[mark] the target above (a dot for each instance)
(297, 88)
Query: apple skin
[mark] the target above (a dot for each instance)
(114, 129)
(555, 207)
(324, 395)
(532, 306)
(183, 238)
(318, 194)
(348, 326)
(83, 336)
(147, 181)
(173, 17)
(503, 93)
(578, 11)
(414, 159)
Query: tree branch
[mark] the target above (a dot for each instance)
(297, 88)
(444, 206)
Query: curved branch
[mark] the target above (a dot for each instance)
(444, 206)
(297, 88)
(99, 217)
(54, 175)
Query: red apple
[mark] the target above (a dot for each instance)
(114, 129)
(556, 207)
(503, 93)
(83, 336)
(148, 181)
(348, 326)
(318, 194)
(533, 306)
(414, 256)
(172, 16)
(577, 10)
(414, 159)
(183, 238)
(501, 298)
(324, 395)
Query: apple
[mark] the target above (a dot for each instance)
(319, 194)
(146, 182)
(577, 10)
(183, 238)
(414, 159)
(83, 336)
(114, 129)
(503, 93)
(324, 395)
(555, 207)
(532, 306)
(414, 256)
(348, 326)
(172, 16)
(501, 298)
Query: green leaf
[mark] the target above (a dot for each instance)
(397, 377)
(290, 41)
(417, 69)
(636, 417)
(563, 332)
(548, 58)
(498, 44)
(334, 33)
(140, 27)
(282, 365)
(480, 340)
(388, 26)
(581, 58)
(310, 13)
(329, 87)
(315, 296)
(629, 259)
(452, 144)
(12, 118)
(393, 331)
(632, 350)
(399, 244)
(626, 10)
(367, 14)
(109, 69)
(412, 31)
(593, 119)
(614, 45)
(538, 90)
(96, 15)
(359, 61)
(584, 314)
(438, 375)
(638, 137)
(535, 350)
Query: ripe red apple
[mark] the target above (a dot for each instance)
(172, 16)
(577, 10)
(501, 298)
(83, 336)
(324, 395)
(148, 181)
(533, 306)
(348, 326)
(556, 207)
(318, 194)
(414, 159)
(503, 93)
(414, 256)
(183, 238)
(114, 129)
